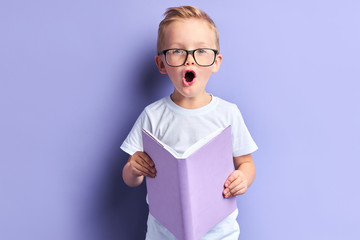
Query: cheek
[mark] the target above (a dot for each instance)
(173, 72)
(206, 74)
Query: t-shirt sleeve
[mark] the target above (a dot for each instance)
(133, 141)
(243, 143)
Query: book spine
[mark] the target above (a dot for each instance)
(185, 194)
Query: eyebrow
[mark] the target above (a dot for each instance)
(180, 45)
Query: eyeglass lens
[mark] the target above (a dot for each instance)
(203, 57)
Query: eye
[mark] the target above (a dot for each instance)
(201, 50)
(176, 51)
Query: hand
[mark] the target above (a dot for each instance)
(236, 184)
(141, 165)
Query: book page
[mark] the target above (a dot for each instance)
(201, 143)
(168, 148)
(192, 148)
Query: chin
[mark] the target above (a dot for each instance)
(189, 93)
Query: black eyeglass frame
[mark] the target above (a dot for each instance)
(187, 54)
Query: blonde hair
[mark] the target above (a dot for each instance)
(184, 12)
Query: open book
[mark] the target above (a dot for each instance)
(186, 194)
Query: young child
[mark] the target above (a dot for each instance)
(188, 51)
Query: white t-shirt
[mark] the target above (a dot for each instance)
(180, 128)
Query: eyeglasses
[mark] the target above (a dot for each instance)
(175, 57)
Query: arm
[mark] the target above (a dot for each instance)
(243, 176)
(138, 166)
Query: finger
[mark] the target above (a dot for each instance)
(147, 159)
(235, 183)
(231, 178)
(144, 164)
(240, 192)
(143, 170)
(227, 193)
(237, 188)
(148, 162)
(144, 160)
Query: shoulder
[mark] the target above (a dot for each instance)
(228, 111)
(153, 112)
(226, 105)
(157, 105)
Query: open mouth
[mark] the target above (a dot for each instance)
(189, 77)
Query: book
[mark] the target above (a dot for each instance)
(186, 194)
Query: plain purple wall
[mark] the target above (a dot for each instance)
(74, 75)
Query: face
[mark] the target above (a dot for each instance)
(190, 79)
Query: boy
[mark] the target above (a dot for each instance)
(188, 51)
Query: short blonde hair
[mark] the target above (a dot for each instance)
(184, 12)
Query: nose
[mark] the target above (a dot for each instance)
(190, 59)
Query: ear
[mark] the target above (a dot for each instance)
(160, 64)
(217, 63)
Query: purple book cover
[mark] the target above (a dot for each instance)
(186, 194)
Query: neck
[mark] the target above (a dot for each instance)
(191, 102)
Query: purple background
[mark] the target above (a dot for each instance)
(74, 75)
